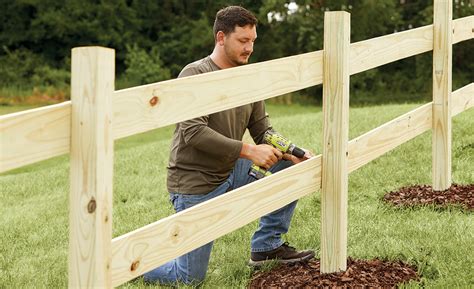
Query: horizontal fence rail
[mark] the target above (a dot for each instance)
(141, 250)
(385, 49)
(371, 53)
(34, 135)
(388, 136)
(463, 29)
(42, 133)
(463, 99)
(194, 96)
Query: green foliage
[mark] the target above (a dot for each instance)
(37, 37)
(47, 76)
(21, 64)
(143, 67)
(18, 65)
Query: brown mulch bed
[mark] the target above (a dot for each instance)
(457, 195)
(359, 274)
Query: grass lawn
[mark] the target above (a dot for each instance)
(34, 206)
(5, 109)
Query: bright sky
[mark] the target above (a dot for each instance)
(292, 8)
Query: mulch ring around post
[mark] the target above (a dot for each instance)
(419, 195)
(359, 274)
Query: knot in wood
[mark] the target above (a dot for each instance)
(135, 265)
(91, 206)
(175, 232)
(175, 235)
(154, 101)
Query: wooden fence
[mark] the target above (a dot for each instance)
(87, 126)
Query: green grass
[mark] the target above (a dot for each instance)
(34, 206)
(32, 95)
(6, 109)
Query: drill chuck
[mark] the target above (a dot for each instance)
(296, 151)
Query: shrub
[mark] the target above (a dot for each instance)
(18, 66)
(144, 67)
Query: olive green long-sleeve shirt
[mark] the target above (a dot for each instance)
(205, 149)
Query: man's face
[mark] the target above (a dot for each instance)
(238, 45)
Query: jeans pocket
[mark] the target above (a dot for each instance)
(192, 200)
(178, 204)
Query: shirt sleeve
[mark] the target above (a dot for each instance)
(259, 122)
(198, 134)
(188, 71)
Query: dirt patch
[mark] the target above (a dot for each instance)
(359, 274)
(457, 195)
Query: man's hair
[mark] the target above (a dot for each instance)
(229, 17)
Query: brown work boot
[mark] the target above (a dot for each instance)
(282, 254)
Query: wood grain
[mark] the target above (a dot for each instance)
(34, 135)
(388, 136)
(462, 99)
(334, 184)
(378, 51)
(92, 152)
(442, 78)
(139, 251)
(463, 29)
(382, 50)
(189, 97)
(375, 143)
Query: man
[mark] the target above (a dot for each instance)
(208, 157)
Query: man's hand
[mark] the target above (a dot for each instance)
(297, 160)
(262, 155)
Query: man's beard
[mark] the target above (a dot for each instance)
(236, 60)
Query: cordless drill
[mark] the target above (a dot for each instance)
(280, 143)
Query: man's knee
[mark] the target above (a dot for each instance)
(281, 165)
(195, 278)
(193, 266)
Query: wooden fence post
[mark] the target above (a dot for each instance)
(92, 150)
(335, 138)
(442, 67)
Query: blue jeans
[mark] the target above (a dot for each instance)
(191, 268)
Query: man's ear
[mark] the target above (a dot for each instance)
(220, 38)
